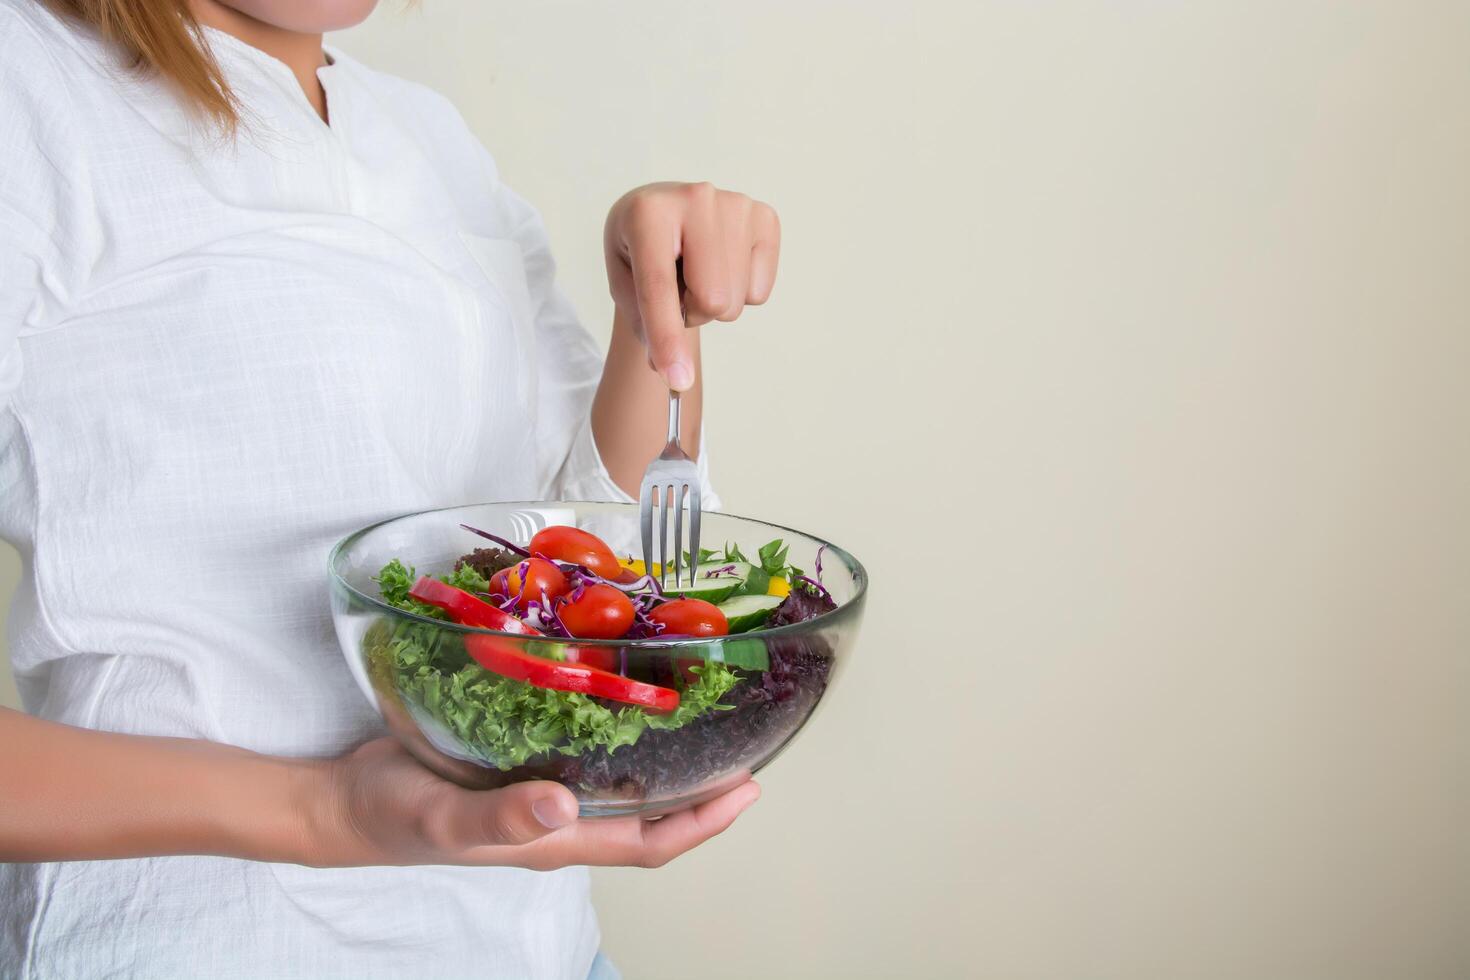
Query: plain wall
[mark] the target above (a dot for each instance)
(1127, 345)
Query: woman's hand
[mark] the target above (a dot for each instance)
(382, 807)
(678, 255)
(685, 254)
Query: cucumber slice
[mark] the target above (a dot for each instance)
(710, 590)
(736, 652)
(748, 612)
(711, 587)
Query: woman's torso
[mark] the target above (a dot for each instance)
(243, 353)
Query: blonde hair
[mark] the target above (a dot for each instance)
(162, 37)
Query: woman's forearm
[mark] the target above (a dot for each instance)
(630, 412)
(69, 794)
(72, 794)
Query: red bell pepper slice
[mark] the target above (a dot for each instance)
(504, 657)
(603, 658)
(501, 657)
(466, 608)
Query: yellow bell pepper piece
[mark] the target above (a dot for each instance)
(778, 587)
(637, 566)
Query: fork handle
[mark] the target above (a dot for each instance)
(673, 417)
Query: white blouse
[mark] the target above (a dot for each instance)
(216, 359)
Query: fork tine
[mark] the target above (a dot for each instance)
(679, 532)
(645, 521)
(674, 479)
(694, 511)
(663, 535)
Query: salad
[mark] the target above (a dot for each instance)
(602, 716)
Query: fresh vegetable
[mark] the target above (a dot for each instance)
(576, 589)
(535, 587)
(772, 557)
(718, 580)
(745, 653)
(747, 612)
(396, 580)
(602, 716)
(764, 708)
(466, 609)
(577, 547)
(757, 582)
(769, 574)
(504, 657)
(603, 658)
(636, 566)
(488, 561)
(802, 604)
(708, 586)
(507, 723)
(691, 617)
(597, 612)
(532, 580)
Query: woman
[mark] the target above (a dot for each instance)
(254, 295)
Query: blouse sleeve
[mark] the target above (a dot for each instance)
(569, 365)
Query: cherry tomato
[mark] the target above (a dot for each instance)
(498, 583)
(601, 612)
(542, 578)
(691, 617)
(572, 544)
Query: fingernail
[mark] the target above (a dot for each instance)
(551, 813)
(755, 795)
(681, 376)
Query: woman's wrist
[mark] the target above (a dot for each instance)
(268, 808)
(231, 802)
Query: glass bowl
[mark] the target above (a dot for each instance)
(483, 731)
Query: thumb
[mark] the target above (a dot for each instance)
(517, 814)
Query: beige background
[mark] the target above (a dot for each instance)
(1127, 343)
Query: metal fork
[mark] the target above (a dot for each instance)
(675, 477)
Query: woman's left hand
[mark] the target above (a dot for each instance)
(681, 255)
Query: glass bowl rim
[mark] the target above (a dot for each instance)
(859, 574)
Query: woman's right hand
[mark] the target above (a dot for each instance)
(378, 806)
